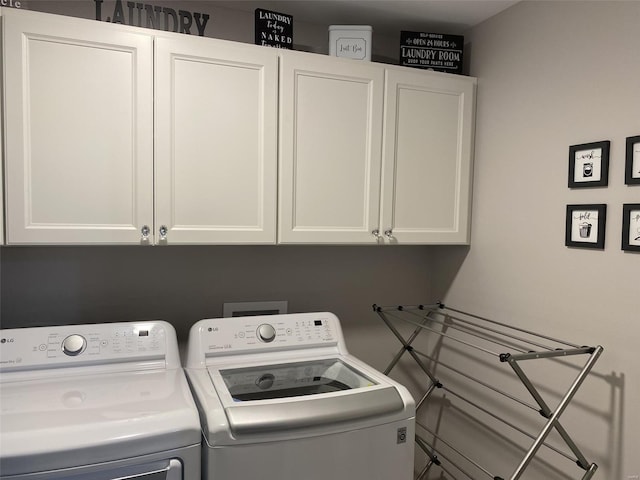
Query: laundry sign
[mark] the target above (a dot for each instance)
(273, 29)
(139, 14)
(433, 51)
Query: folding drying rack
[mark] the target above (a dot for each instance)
(521, 345)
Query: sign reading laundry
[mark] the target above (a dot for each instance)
(273, 29)
(153, 16)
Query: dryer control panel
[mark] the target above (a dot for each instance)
(77, 345)
(228, 336)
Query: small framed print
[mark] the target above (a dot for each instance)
(589, 164)
(632, 170)
(586, 226)
(631, 227)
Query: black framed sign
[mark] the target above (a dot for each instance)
(433, 51)
(632, 167)
(589, 164)
(631, 227)
(273, 29)
(585, 226)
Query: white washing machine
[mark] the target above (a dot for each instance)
(281, 399)
(96, 402)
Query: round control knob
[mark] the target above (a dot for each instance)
(266, 333)
(74, 345)
(265, 382)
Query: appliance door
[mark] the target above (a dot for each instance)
(265, 399)
(161, 470)
(285, 380)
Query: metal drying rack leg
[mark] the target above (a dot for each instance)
(523, 344)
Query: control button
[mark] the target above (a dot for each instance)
(74, 345)
(266, 333)
(265, 382)
(42, 347)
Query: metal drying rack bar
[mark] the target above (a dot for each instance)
(513, 345)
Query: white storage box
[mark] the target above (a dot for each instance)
(350, 41)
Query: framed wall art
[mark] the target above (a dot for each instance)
(589, 164)
(631, 227)
(632, 168)
(585, 226)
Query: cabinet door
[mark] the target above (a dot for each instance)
(79, 165)
(216, 141)
(427, 159)
(330, 149)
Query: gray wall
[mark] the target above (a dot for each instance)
(183, 284)
(551, 75)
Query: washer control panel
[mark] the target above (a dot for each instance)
(24, 348)
(225, 336)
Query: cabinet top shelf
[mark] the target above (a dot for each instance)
(156, 33)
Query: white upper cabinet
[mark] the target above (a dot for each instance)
(344, 180)
(330, 149)
(119, 135)
(216, 141)
(427, 157)
(79, 143)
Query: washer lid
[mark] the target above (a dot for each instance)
(312, 393)
(81, 420)
(311, 377)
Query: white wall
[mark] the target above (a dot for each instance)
(551, 75)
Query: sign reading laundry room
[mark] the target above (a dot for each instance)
(273, 29)
(153, 16)
(433, 51)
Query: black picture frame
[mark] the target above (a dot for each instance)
(589, 164)
(632, 165)
(631, 227)
(585, 226)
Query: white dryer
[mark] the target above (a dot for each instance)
(280, 398)
(96, 402)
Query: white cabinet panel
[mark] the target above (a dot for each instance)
(216, 141)
(330, 121)
(79, 144)
(426, 184)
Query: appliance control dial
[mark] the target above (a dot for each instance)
(74, 345)
(265, 382)
(266, 333)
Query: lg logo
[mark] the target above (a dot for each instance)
(6, 340)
